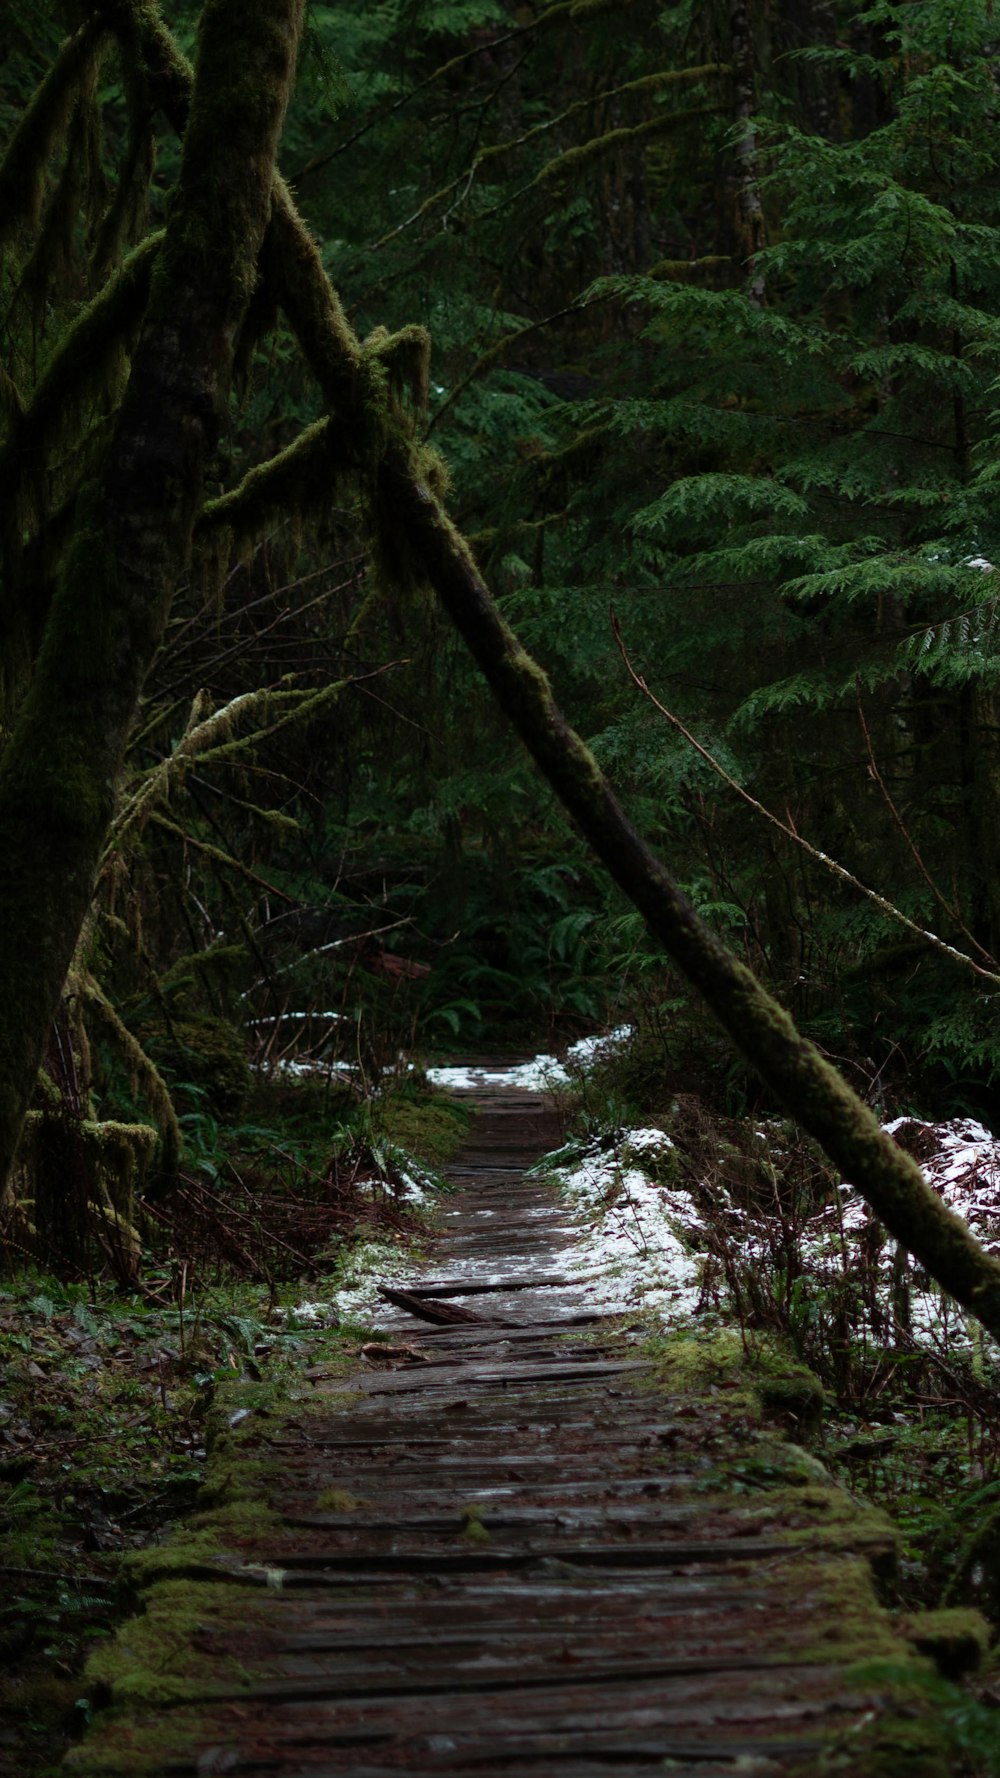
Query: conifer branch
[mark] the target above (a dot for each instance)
(563, 9)
(572, 158)
(492, 353)
(792, 833)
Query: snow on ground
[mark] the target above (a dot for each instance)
(646, 1242)
(354, 1297)
(541, 1074)
(960, 1159)
(634, 1247)
(642, 1243)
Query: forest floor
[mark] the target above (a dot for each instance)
(109, 1398)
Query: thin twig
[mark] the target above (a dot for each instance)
(952, 912)
(790, 833)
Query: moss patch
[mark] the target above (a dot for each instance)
(759, 1382)
(432, 1128)
(159, 1657)
(957, 1641)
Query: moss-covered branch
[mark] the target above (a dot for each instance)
(573, 161)
(42, 126)
(133, 528)
(146, 1077)
(296, 482)
(89, 358)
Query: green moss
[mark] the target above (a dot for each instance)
(957, 1641)
(43, 124)
(158, 1658)
(759, 1382)
(340, 1500)
(473, 1529)
(206, 1052)
(126, 1744)
(432, 1129)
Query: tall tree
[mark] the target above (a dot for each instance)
(133, 521)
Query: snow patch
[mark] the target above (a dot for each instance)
(637, 1246)
(643, 1243)
(542, 1074)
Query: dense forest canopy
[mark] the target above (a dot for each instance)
(691, 315)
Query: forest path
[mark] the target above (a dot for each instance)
(515, 1555)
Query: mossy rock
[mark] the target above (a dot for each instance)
(205, 1053)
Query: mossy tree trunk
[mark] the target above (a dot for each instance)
(133, 529)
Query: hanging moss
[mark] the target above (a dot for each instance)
(205, 1053)
(42, 128)
(146, 1077)
(405, 357)
(81, 1177)
(124, 221)
(85, 368)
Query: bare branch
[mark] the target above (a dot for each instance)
(792, 833)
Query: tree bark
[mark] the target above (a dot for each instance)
(133, 528)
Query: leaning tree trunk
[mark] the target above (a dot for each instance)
(133, 530)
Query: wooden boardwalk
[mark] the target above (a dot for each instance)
(515, 1556)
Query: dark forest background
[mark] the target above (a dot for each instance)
(713, 296)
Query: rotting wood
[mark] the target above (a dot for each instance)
(414, 1304)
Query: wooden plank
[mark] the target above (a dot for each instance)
(447, 1685)
(484, 1376)
(617, 1607)
(426, 1311)
(471, 1287)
